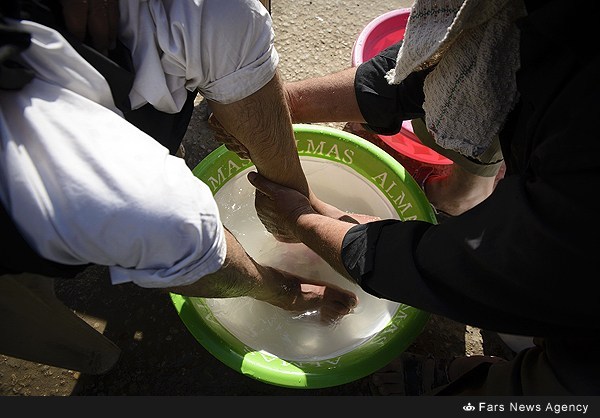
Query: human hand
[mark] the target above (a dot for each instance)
(300, 295)
(278, 207)
(224, 137)
(93, 21)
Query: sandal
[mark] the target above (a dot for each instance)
(410, 375)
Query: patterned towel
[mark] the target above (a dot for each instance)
(474, 45)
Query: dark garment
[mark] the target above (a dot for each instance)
(385, 106)
(522, 261)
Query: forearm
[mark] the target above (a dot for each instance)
(240, 275)
(324, 236)
(330, 98)
(262, 124)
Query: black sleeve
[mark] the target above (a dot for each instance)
(385, 106)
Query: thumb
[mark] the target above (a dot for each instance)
(261, 183)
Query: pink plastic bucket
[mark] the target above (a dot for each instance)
(380, 33)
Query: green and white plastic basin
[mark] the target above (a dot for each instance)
(270, 344)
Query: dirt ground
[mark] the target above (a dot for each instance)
(159, 355)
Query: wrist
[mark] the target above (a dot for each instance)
(308, 224)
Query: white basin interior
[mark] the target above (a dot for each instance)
(264, 327)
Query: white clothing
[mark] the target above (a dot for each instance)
(224, 48)
(85, 186)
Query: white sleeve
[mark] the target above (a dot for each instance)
(223, 48)
(85, 186)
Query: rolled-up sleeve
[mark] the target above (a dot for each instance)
(225, 49)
